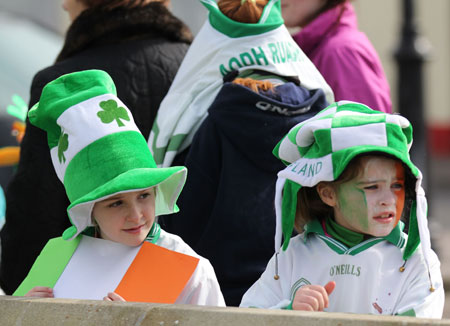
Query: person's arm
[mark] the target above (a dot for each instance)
(271, 293)
(203, 287)
(312, 297)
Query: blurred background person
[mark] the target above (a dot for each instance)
(141, 45)
(330, 37)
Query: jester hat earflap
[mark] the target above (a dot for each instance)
(97, 149)
(320, 148)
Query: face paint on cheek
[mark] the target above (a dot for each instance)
(353, 206)
(400, 195)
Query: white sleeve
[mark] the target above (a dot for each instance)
(202, 288)
(268, 292)
(418, 300)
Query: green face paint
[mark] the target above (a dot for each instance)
(353, 205)
(368, 204)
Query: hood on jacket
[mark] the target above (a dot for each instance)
(254, 122)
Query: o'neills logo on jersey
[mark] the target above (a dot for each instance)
(265, 106)
(345, 269)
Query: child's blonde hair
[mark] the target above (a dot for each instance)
(244, 11)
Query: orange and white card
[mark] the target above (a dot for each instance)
(148, 273)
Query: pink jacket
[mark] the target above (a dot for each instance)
(346, 58)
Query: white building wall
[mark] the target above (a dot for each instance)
(381, 21)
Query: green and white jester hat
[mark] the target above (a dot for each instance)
(97, 149)
(319, 149)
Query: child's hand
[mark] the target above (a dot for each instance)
(113, 296)
(313, 297)
(40, 292)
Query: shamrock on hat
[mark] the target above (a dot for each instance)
(97, 149)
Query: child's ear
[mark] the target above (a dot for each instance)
(327, 194)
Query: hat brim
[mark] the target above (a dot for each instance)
(169, 183)
(350, 155)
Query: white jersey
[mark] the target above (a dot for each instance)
(203, 287)
(368, 276)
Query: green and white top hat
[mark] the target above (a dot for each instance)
(319, 149)
(97, 149)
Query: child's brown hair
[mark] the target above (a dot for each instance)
(244, 11)
(310, 206)
(112, 4)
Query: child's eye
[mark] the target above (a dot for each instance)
(371, 187)
(115, 204)
(144, 195)
(397, 185)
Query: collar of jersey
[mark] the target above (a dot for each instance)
(154, 233)
(396, 237)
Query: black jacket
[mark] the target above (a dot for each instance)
(141, 48)
(227, 213)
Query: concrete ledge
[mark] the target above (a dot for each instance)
(65, 312)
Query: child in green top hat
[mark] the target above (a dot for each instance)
(348, 183)
(115, 189)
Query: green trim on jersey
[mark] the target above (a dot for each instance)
(410, 313)
(154, 234)
(347, 237)
(396, 237)
(297, 285)
(288, 307)
(270, 20)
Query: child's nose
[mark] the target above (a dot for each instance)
(388, 197)
(134, 213)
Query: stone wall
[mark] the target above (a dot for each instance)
(64, 312)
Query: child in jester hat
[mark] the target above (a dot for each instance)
(348, 183)
(116, 190)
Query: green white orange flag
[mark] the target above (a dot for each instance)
(89, 268)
